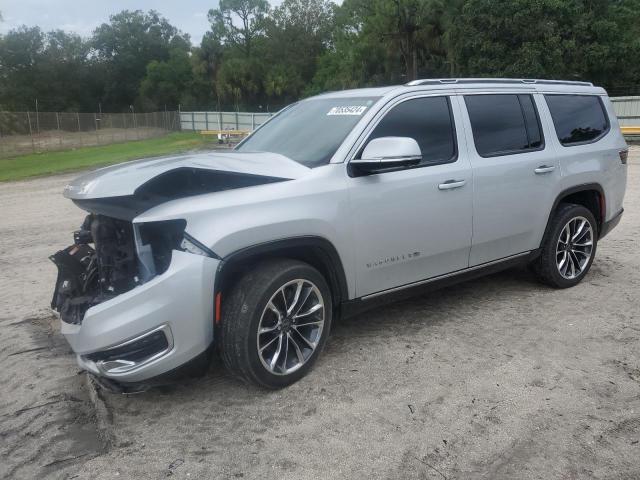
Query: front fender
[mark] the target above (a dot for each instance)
(226, 222)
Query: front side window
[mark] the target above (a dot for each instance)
(578, 118)
(428, 121)
(504, 124)
(311, 131)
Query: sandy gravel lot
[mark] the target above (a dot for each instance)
(498, 378)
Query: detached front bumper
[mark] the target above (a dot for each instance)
(177, 305)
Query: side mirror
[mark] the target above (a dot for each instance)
(387, 153)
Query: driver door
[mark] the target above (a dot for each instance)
(409, 224)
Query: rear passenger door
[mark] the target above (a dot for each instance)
(514, 174)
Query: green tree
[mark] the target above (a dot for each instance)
(379, 42)
(257, 55)
(239, 81)
(359, 53)
(237, 32)
(251, 15)
(186, 78)
(126, 45)
(167, 81)
(572, 39)
(21, 52)
(205, 62)
(404, 28)
(53, 67)
(297, 33)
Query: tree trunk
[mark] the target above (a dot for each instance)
(414, 60)
(411, 57)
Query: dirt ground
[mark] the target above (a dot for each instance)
(498, 378)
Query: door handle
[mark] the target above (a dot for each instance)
(451, 184)
(544, 169)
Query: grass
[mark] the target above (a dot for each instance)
(48, 163)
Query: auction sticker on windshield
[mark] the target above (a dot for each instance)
(348, 110)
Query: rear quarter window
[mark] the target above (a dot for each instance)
(578, 119)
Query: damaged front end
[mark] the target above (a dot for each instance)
(112, 256)
(130, 339)
(89, 275)
(135, 291)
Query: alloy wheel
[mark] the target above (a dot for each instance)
(574, 248)
(290, 327)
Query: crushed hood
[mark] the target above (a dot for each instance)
(212, 170)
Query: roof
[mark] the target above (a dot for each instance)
(485, 81)
(531, 85)
(360, 92)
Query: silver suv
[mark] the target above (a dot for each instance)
(340, 201)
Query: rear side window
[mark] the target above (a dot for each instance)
(578, 118)
(428, 121)
(504, 124)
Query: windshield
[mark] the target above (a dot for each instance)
(311, 131)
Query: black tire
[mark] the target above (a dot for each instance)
(242, 310)
(546, 265)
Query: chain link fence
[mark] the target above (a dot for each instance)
(33, 132)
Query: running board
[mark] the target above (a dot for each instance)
(446, 275)
(358, 305)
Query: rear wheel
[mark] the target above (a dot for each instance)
(569, 248)
(275, 322)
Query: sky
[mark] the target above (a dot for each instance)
(83, 16)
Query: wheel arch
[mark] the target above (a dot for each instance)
(589, 195)
(318, 252)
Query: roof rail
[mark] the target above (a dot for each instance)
(461, 81)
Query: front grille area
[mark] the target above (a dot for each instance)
(100, 265)
(110, 257)
(115, 254)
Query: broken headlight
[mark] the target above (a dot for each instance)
(156, 241)
(191, 245)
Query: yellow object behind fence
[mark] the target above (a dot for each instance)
(630, 130)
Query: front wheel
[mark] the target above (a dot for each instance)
(569, 247)
(275, 322)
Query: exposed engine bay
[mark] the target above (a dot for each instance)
(111, 255)
(88, 275)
